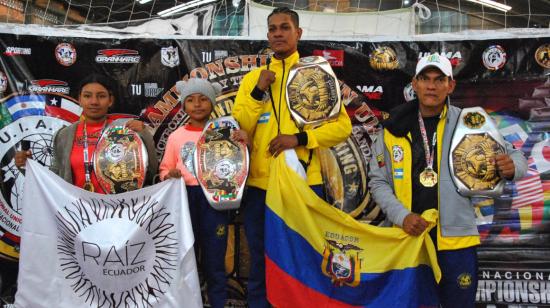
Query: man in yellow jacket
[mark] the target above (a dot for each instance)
(261, 110)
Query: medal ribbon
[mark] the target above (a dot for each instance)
(427, 152)
(87, 161)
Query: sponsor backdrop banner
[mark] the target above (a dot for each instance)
(508, 77)
(127, 250)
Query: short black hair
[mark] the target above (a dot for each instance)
(103, 80)
(285, 10)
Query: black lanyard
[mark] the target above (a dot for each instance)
(277, 117)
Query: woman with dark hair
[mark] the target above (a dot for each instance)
(73, 145)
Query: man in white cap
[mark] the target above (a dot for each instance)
(411, 174)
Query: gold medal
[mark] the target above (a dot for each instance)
(428, 178)
(88, 186)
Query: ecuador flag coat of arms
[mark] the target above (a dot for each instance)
(318, 256)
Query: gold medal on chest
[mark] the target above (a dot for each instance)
(88, 186)
(428, 178)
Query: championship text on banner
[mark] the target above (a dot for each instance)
(81, 249)
(319, 256)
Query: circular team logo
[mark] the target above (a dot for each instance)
(474, 120)
(542, 55)
(409, 93)
(115, 152)
(21, 120)
(225, 169)
(464, 280)
(494, 57)
(65, 54)
(117, 267)
(383, 58)
(3, 82)
(397, 152)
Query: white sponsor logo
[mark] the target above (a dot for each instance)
(14, 51)
(117, 56)
(372, 92)
(220, 54)
(148, 89)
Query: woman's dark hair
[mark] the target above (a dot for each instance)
(103, 80)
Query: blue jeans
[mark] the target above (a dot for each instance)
(210, 229)
(254, 225)
(458, 285)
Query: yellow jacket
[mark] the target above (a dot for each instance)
(257, 119)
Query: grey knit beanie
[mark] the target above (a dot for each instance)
(198, 85)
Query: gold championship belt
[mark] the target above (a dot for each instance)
(120, 159)
(475, 144)
(221, 164)
(344, 171)
(312, 91)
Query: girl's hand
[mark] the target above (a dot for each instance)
(240, 135)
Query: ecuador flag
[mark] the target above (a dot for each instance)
(318, 256)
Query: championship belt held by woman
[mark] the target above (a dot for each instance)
(120, 159)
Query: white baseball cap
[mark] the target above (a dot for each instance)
(435, 60)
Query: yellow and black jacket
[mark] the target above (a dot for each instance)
(259, 120)
(391, 184)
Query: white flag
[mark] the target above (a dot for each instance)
(81, 249)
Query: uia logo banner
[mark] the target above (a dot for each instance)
(319, 256)
(80, 249)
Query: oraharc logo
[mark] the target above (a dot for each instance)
(117, 56)
(542, 55)
(16, 51)
(341, 262)
(372, 92)
(136, 261)
(65, 54)
(48, 86)
(455, 57)
(334, 57)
